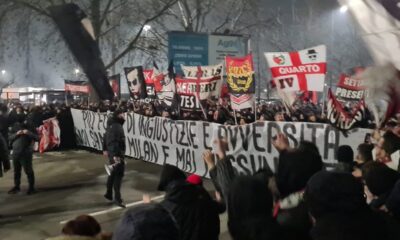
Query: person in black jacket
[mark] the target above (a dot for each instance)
(196, 213)
(114, 147)
(4, 158)
(22, 141)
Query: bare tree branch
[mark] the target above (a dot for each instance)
(132, 43)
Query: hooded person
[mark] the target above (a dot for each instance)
(4, 156)
(147, 222)
(337, 205)
(191, 206)
(379, 180)
(388, 144)
(22, 140)
(250, 210)
(114, 147)
(295, 168)
(345, 157)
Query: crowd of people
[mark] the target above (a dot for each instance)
(359, 198)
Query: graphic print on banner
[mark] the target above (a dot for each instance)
(193, 72)
(148, 79)
(338, 117)
(136, 83)
(350, 88)
(76, 86)
(164, 86)
(182, 143)
(200, 83)
(115, 83)
(304, 70)
(240, 74)
(242, 101)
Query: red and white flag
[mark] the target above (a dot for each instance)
(49, 135)
(304, 70)
(242, 101)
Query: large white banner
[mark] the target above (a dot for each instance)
(182, 143)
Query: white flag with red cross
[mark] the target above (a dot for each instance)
(304, 70)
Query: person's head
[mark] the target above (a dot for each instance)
(364, 153)
(250, 209)
(119, 114)
(387, 145)
(195, 180)
(278, 117)
(345, 154)
(312, 117)
(296, 167)
(170, 174)
(83, 225)
(379, 178)
(334, 192)
(146, 222)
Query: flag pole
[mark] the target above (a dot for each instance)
(234, 115)
(255, 110)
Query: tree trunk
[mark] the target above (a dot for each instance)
(95, 17)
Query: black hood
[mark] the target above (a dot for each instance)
(334, 192)
(150, 221)
(170, 174)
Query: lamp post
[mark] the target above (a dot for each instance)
(77, 71)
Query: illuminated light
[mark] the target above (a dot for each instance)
(3, 72)
(146, 28)
(344, 9)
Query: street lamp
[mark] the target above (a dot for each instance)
(77, 71)
(3, 72)
(146, 28)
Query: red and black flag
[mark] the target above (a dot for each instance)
(115, 83)
(76, 86)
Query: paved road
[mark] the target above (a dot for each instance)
(71, 183)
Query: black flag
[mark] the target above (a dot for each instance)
(70, 18)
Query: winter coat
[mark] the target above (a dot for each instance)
(4, 124)
(192, 207)
(114, 138)
(222, 176)
(250, 210)
(22, 144)
(4, 157)
(293, 218)
(147, 222)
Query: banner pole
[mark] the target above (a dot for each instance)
(255, 110)
(66, 98)
(234, 116)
